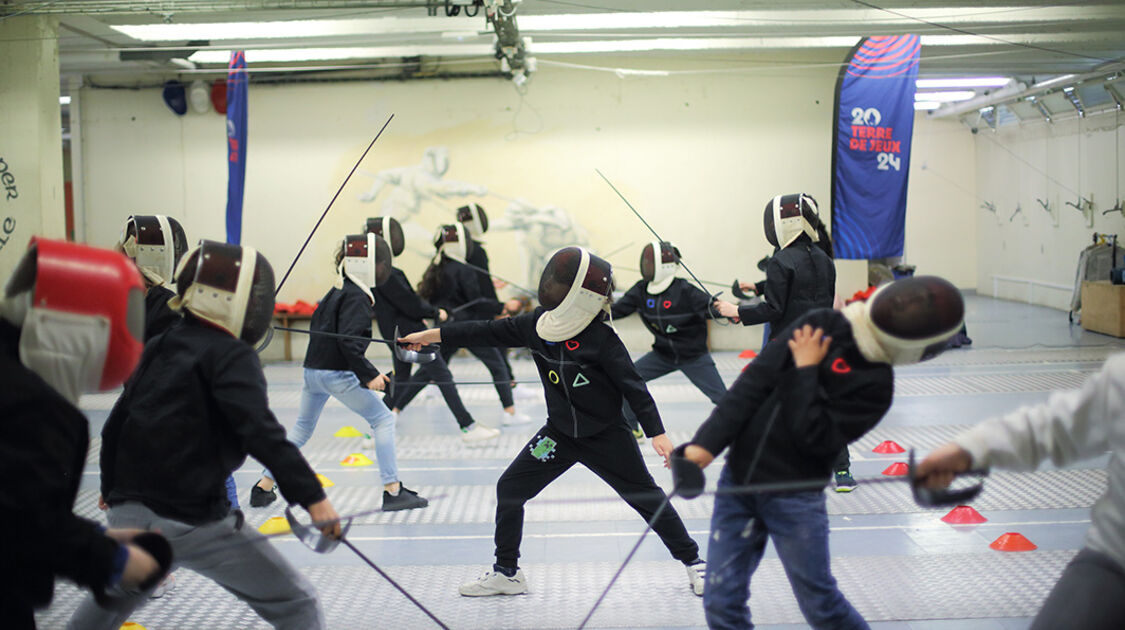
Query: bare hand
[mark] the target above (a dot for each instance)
(442, 315)
(325, 517)
(663, 447)
(512, 307)
(746, 286)
(699, 455)
(726, 309)
(379, 383)
(808, 346)
(941, 466)
(102, 504)
(415, 341)
(139, 567)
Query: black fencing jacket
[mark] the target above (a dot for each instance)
(479, 258)
(189, 416)
(677, 317)
(43, 442)
(158, 317)
(799, 278)
(814, 411)
(461, 284)
(584, 378)
(345, 311)
(396, 304)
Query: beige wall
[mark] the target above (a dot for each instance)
(698, 155)
(1055, 162)
(31, 175)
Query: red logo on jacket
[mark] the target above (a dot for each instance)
(840, 366)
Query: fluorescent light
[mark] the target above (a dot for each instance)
(689, 43)
(283, 55)
(297, 29)
(64, 100)
(962, 82)
(945, 97)
(926, 105)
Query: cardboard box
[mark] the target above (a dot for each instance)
(1103, 307)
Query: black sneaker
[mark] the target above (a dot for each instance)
(260, 497)
(405, 500)
(844, 481)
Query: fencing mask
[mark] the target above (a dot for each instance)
(81, 315)
(907, 321)
(227, 285)
(156, 243)
(452, 241)
(474, 219)
(367, 260)
(659, 260)
(789, 216)
(390, 229)
(575, 288)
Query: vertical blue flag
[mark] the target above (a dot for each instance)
(236, 143)
(871, 147)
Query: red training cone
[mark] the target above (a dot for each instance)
(897, 469)
(888, 446)
(747, 354)
(963, 515)
(1013, 541)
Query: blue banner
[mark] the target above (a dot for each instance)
(236, 143)
(871, 147)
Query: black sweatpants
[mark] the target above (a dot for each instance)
(494, 361)
(407, 387)
(612, 455)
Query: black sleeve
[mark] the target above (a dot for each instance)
(470, 283)
(822, 426)
(743, 400)
(776, 294)
(620, 369)
(629, 303)
(487, 289)
(403, 299)
(238, 387)
(354, 318)
(509, 332)
(700, 302)
(110, 432)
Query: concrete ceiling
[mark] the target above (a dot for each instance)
(1026, 38)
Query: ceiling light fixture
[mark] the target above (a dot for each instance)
(957, 82)
(926, 105)
(945, 97)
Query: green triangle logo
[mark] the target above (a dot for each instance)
(580, 380)
(670, 329)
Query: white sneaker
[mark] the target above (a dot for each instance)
(166, 585)
(478, 434)
(495, 583)
(368, 443)
(509, 419)
(697, 576)
(527, 393)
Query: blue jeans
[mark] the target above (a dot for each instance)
(345, 387)
(701, 371)
(797, 523)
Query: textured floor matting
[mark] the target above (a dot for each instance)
(648, 594)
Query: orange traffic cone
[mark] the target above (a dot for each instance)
(887, 447)
(747, 354)
(963, 515)
(897, 469)
(1013, 541)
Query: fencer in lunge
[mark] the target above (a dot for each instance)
(586, 372)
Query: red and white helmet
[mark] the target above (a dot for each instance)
(80, 311)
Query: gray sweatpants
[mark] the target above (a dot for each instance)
(240, 560)
(1090, 595)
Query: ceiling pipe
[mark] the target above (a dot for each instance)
(1021, 92)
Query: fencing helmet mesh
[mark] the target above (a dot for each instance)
(908, 320)
(789, 216)
(659, 260)
(80, 311)
(452, 241)
(390, 229)
(575, 288)
(367, 259)
(156, 243)
(227, 285)
(474, 218)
